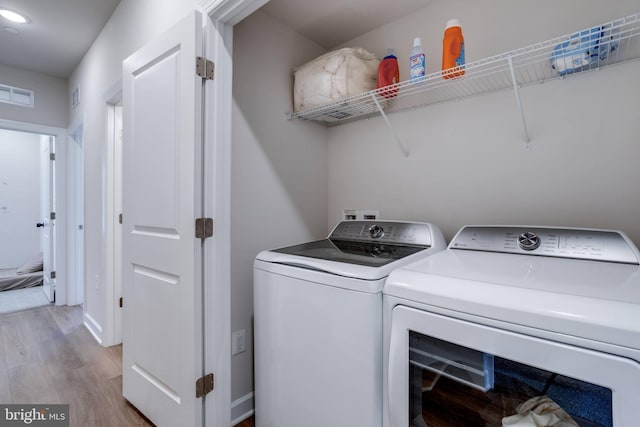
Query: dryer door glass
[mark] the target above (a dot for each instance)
(446, 371)
(453, 385)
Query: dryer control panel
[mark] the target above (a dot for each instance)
(589, 244)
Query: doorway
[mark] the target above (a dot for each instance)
(56, 218)
(112, 330)
(28, 226)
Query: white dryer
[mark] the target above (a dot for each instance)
(318, 323)
(509, 319)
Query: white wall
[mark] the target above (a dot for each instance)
(133, 23)
(468, 163)
(279, 167)
(19, 197)
(50, 98)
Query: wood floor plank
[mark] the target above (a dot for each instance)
(5, 391)
(68, 318)
(20, 344)
(42, 325)
(58, 354)
(32, 384)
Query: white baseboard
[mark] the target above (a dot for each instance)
(242, 408)
(93, 327)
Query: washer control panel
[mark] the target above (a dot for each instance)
(590, 244)
(391, 232)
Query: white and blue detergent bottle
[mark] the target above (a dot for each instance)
(417, 61)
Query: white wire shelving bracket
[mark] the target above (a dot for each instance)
(510, 70)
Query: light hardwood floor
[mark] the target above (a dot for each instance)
(47, 356)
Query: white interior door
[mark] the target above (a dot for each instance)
(161, 264)
(47, 207)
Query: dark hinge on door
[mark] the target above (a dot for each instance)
(120, 218)
(52, 215)
(204, 228)
(204, 385)
(204, 68)
(121, 302)
(52, 275)
(52, 156)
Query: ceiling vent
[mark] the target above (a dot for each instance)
(16, 96)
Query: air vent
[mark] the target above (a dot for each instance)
(16, 96)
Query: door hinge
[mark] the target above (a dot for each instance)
(52, 156)
(204, 228)
(204, 385)
(52, 275)
(52, 215)
(121, 302)
(205, 68)
(120, 218)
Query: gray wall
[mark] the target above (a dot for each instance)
(468, 162)
(279, 167)
(50, 98)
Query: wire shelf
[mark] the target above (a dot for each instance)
(608, 44)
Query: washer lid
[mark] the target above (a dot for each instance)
(370, 243)
(368, 250)
(369, 254)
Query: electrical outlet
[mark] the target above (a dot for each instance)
(238, 342)
(356, 214)
(349, 214)
(370, 214)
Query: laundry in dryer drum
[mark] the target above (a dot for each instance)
(539, 411)
(584, 49)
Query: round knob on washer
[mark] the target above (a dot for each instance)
(376, 231)
(380, 251)
(528, 241)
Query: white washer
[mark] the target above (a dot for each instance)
(318, 323)
(508, 313)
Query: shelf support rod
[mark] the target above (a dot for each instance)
(390, 126)
(516, 89)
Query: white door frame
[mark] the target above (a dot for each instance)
(112, 325)
(61, 196)
(76, 280)
(48, 205)
(224, 14)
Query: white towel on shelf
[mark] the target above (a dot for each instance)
(539, 411)
(334, 76)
